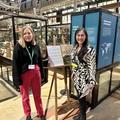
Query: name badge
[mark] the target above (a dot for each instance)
(31, 66)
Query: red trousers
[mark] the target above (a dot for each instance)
(31, 81)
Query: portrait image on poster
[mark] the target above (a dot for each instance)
(107, 35)
(92, 28)
(76, 22)
(117, 43)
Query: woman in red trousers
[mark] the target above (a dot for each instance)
(28, 71)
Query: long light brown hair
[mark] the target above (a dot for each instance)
(22, 41)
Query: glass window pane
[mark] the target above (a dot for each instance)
(104, 81)
(115, 77)
(6, 38)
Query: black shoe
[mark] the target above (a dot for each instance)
(79, 117)
(43, 117)
(28, 118)
(82, 117)
(76, 117)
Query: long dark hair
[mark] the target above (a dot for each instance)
(84, 45)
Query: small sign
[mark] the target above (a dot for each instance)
(66, 49)
(55, 55)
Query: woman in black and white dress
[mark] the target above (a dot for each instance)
(83, 59)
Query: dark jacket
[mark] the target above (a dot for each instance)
(21, 61)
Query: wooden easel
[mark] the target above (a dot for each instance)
(54, 79)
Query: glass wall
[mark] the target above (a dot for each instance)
(9, 36)
(6, 47)
(104, 82)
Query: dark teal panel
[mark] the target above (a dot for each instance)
(91, 25)
(117, 45)
(77, 21)
(107, 36)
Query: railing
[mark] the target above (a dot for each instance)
(6, 69)
(49, 2)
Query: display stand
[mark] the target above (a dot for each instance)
(56, 61)
(54, 79)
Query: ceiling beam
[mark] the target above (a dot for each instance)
(110, 6)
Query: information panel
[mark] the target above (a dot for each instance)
(55, 55)
(77, 21)
(92, 28)
(107, 35)
(117, 45)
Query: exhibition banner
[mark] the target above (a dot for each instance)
(92, 28)
(117, 44)
(106, 43)
(76, 22)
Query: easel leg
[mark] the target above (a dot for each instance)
(49, 94)
(65, 80)
(56, 115)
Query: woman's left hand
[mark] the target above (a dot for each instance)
(90, 86)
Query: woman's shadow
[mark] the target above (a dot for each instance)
(68, 108)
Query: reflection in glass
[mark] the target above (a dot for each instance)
(104, 84)
(7, 73)
(115, 77)
(58, 35)
(6, 38)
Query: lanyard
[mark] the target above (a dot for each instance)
(30, 56)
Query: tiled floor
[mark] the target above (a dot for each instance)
(65, 111)
(65, 108)
(109, 109)
(5, 92)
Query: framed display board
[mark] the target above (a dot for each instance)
(55, 55)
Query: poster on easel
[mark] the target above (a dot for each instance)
(55, 55)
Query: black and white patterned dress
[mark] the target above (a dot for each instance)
(85, 70)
